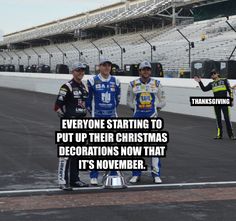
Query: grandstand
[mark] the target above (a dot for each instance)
(89, 35)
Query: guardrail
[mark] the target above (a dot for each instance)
(177, 90)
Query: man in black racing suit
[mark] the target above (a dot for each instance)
(70, 103)
(220, 88)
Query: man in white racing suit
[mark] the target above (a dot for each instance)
(146, 98)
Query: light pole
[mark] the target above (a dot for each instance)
(77, 49)
(122, 51)
(4, 59)
(63, 54)
(231, 26)
(11, 58)
(50, 56)
(27, 56)
(39, 56)
(17, 56)
(190, 46)
(99, 51)
(153, 47)
(231, 55)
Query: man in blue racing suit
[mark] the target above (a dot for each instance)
(146, 97)
(103, 99)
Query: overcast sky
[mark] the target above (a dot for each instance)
(16, 15)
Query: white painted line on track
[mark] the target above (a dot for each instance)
(50, 190)
(47, 190)
(184, 184)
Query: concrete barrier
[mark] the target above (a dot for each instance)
(177, 91)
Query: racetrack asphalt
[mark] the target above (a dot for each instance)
(28, 160)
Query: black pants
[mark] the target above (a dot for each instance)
(68, 171)
(225, 110)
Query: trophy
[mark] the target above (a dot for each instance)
(116, 181)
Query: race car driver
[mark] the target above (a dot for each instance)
(104, 97)
(70, 103)
(220, 88)
(146, 98)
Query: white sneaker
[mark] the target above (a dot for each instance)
(134, 179)
(94, 181)
(157, 179)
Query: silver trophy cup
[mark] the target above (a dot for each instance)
(114, 181)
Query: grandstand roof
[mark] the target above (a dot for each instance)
(122, 2)
(116, 13)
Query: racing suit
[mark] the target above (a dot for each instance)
(70, 103)
(103, 99)
(145, 99)
(221, 88)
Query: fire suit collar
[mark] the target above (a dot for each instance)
(104, 79)
(76, 82)
(145, 82)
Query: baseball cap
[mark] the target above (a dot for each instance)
(144, 64)
(104, 60)
(214, 71)
(78, 66)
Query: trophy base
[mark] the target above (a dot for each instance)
(114, 182)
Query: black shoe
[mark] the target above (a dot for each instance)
(218, 138)
(232, 137)
(79, 183)
(66, 187)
